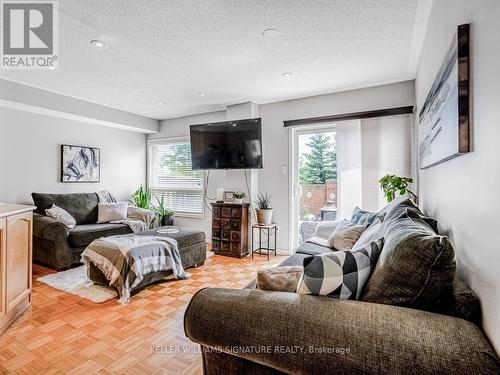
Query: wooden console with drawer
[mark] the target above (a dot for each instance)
(16, 227)
(230, 229)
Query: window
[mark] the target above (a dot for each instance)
(170, 175)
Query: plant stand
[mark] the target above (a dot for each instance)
(270, 231)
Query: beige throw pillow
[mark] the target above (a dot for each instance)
(323, 232)
(280, 279)
(107, 212)
(345, 235)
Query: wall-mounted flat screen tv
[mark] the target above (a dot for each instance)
(227, 145)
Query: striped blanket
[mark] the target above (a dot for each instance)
(126, 259)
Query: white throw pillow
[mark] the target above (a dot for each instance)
(345, 235)
(107, 212)
(61, 215)
(323, 232)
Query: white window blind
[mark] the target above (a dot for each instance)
(170, 175)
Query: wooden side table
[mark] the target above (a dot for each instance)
(270, 230)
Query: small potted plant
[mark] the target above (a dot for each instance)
(165, 215)
(391, 184)
(238, 197)
(264, 211)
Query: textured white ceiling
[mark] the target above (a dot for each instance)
(172, 50)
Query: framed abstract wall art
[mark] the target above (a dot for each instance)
(443, 121)
(80, 164)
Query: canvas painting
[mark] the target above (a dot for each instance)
(80, 164)
(443, 129)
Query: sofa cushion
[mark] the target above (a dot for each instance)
(309, 248)
(82, 206)
(280, 279)
(340, 274)
(107, 212)
(416, 266)
(84, 234)
(400, 205)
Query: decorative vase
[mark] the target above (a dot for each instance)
(265, 216)
(238, 200)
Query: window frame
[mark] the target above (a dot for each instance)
(165, 140)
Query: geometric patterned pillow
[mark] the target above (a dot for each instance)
(341, 274)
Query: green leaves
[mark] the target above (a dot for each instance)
(142, 198)
(392, 185)
(161, 210)
(263, 201)
(238, 195)
(321, 164)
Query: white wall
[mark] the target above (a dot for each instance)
(30, 155)
(276, 138)
(385, 149)
(463, 193)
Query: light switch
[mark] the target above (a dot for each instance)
(284, 170)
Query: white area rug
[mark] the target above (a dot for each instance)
(75, 281)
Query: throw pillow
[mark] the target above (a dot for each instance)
(280, 279)
(345, 235)
(340, 274)
(323, 231)
(61, 215)
(360, 216)
(416, 266)
(372, 233)
(111, 211)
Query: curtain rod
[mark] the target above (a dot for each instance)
(350, 116)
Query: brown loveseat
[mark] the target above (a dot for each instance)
(252, 331)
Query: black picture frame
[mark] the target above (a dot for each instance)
(70, 174)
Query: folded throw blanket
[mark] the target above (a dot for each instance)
(126, 259)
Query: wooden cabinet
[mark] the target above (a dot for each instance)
(16, 223)
(230, 229)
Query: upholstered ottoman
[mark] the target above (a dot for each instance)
(192, 248)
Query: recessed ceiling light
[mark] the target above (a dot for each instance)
(270, 33)
(202, 94)
(159, 102)
(287, 74)
(98, 43)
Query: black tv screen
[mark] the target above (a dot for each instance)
(227, 145)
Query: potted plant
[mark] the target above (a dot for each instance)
(391, 184)
(238, 197)
(142, 198)
(165, 215)
(264, 211)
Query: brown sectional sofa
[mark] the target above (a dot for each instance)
(252, 331)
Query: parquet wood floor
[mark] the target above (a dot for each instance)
(66, 334)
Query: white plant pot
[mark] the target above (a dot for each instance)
(238, 201)
(265, 217)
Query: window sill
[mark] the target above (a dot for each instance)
(189, 216)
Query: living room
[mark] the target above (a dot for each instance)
(179, 180)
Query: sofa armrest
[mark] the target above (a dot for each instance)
(296, 333)
(49, 228)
